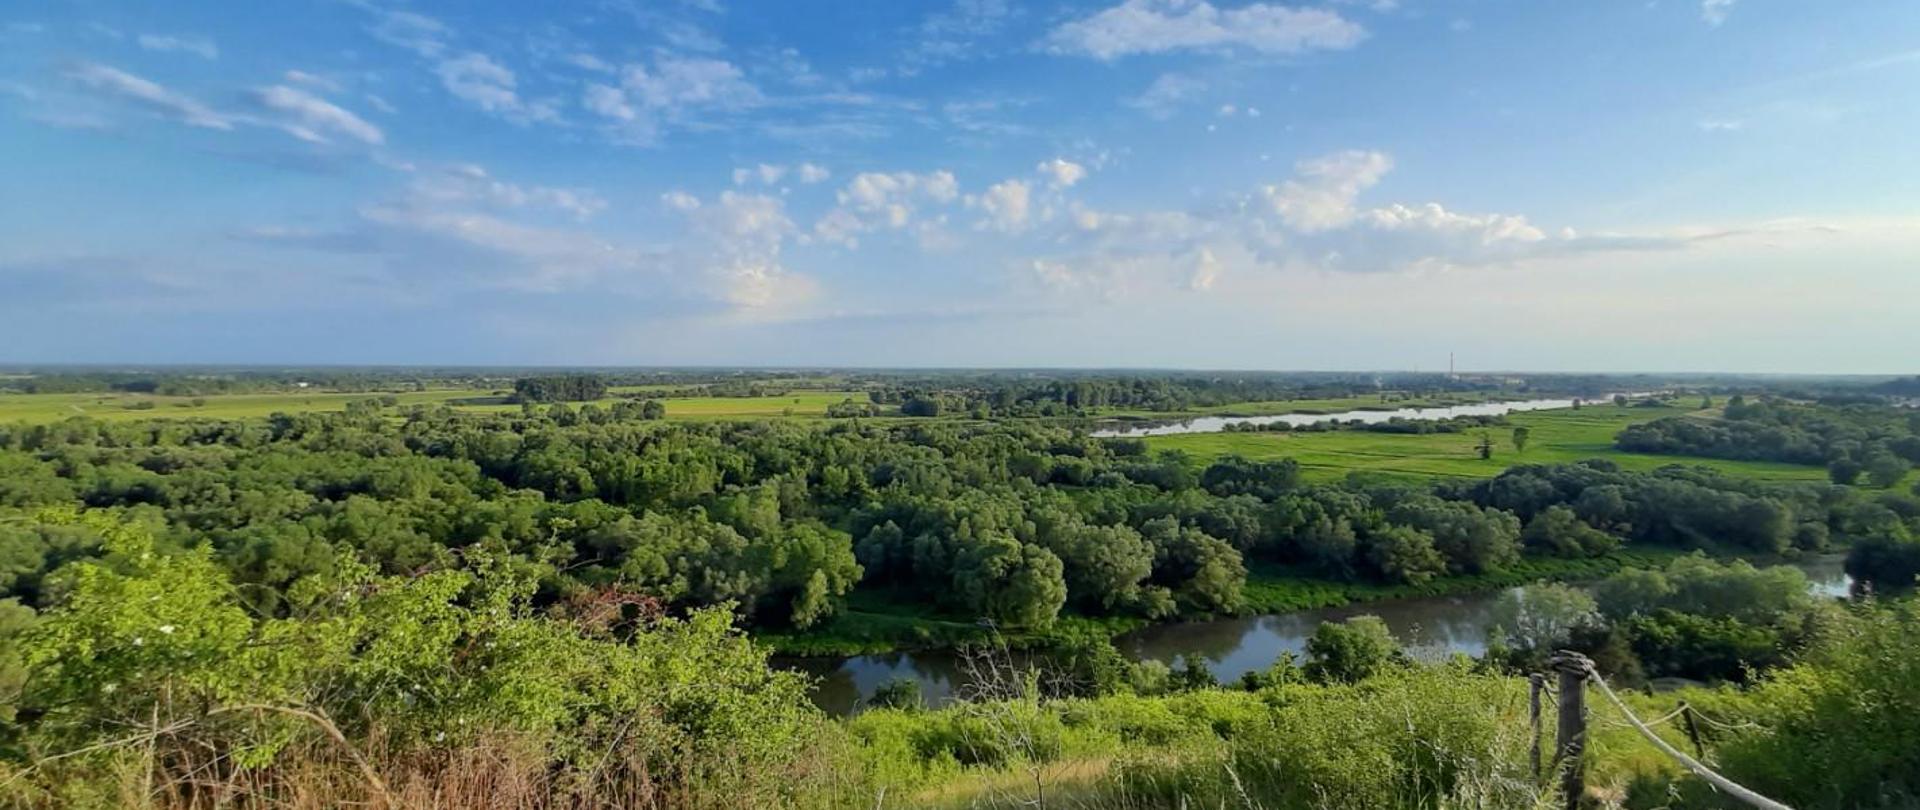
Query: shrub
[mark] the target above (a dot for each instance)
(1839, 730)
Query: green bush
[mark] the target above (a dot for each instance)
(159, 641)
(1842, 729)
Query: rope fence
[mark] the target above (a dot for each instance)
(1574, 669)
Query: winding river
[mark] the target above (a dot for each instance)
(1427, 626)
(1216, 424)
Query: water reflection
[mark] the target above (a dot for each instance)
(1430, 627)
(1216, 424)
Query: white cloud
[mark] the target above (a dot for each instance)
(810, 173)
(770, 174)
(1166, 94)
(679, 82)
(957, 34)
(141, 92)
(1714, 12)
(1311, 220)
(672, 90)
(196, 45)
(1008, 205)
(1206, 271)
(1322, 195)
(873, 200)
(469, 185)
(544, 259)
(609, 102)
(1062, 173)
(312, 80)
(312, 118)
(680, 201)
(1712, 125)
(419, 33)
(478, 80)
(1160, 26)
(742, 236)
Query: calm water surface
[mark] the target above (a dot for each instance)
(1431, 627)
(1216, 424)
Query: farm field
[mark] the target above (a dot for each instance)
(41, 408)
(1558, 436)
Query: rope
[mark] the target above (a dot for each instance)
(1728, 785)
(1722, 725)
(1669, 716)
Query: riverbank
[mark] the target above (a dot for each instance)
(877, 622)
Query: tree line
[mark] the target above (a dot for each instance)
(1013, 523)
(1873, 442)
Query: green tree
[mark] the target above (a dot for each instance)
(1520, 436)
(1541, 617)
(1559, 531)
(1349, 651)
(1884, 469)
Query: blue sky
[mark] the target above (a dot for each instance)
(1595, 185)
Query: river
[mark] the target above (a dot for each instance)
(1216, 424)
(1430, 627)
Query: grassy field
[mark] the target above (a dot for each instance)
(1558, 436)
(38, 408)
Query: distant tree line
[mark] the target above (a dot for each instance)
(560, 388)
(1877, 443)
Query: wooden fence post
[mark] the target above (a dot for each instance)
(1536, 683)
(1571, 741)
(1693, 730)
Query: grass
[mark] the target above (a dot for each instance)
(43, 408)
(1558, 436)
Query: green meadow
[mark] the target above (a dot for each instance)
(1557, 436)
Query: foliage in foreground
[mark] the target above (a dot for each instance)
(150, 677)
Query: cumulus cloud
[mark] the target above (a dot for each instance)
(810, 173)
(741, 237)
(1062, 173)
(196, 45)
(312, 118)
(1008, 206)
(1322, 193)
(680, 201)
(124, 86)
(884, 200)
(1313, 219)
(1161, 26)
